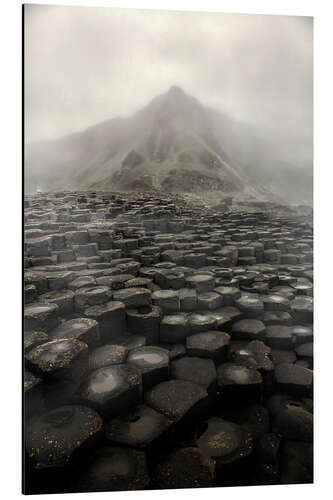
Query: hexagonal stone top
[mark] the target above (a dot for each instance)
(57, 357)
(232, 374)
(175, 398)
(112, 389)
(140, 427)
(224, 441)
(210, 341)
(148, 357)
(52, 438)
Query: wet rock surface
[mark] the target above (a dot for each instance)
(167, 344)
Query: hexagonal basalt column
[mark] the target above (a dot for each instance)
(111, 390)
(63, 298)
(211, 344)
(145, 321)
(188, 299)
(62, 436)
(167, 300)
(201, 282)
(294, 379)
(251, 305)
(174, 328)
(238, 383)
(197, 370)
(110, 318)
(225, 442)
(133, 297)
(126, 470)
(41, 316)
(177, 399)
(248, 329)
(84, 329)
(86, 297)
(184, 468)
(60, 359)
(153, 363)
(107, 355)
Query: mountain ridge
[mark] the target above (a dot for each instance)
(174, 143)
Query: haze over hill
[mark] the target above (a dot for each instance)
(175, 144)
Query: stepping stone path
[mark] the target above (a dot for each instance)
(165, 341)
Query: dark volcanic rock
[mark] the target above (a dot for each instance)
(178, 398)
(224, 441)
(237, 383)
(198, 370)
(107, 355)
(185, 468)
(84, 329)
(139, 428)
(111, 390)
(64, 359)
(294, 379)
(40, 316)
(213, 345)
(144, 286)
(153, 363)
(33, 339)
(56, 438)
(114, 468)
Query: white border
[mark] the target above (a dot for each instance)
(11, 239)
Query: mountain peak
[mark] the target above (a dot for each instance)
(174, 90)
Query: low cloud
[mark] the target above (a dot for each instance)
(84, 65)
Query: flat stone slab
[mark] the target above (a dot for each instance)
(250, 304)
(131, 341)
(57, 437)
(237, 383)
(41, 316)
(210, 344)
(111, 390)
(176, 398)
(133, 297)
(202, 321)
(276, 302)
(280, 337)
(146, 322)
(114, 468)
(60, 359)
(224, 441)
(197, 370)
(167, 300)
(174, 328)
(33, 339)
(303, 334)
(185, 468)
(153, 362)
(84, 329)
(305, 350)
(294, 423)
(282, 356)
(248, 329)
(201, 282)
(302, 309)
(229, 294)
(139, 428)
(92, 296)
(110, 317)
(294, 379)
(107, 355)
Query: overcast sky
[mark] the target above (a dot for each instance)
(84, 65)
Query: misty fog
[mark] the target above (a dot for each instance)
(85, 65)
